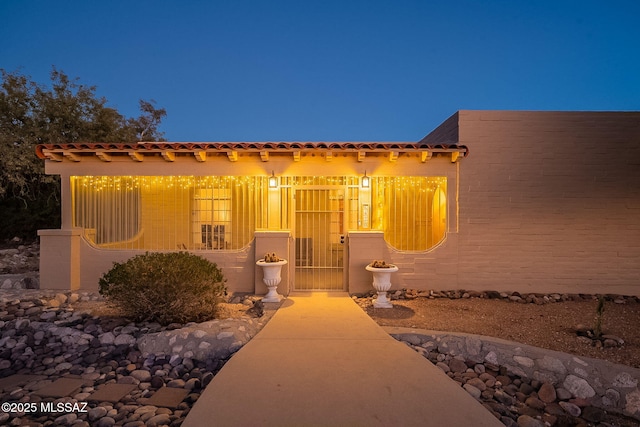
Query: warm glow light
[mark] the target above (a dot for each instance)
(273, 181)
(365, 180)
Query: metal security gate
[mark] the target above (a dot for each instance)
(319, 237)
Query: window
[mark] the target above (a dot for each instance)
(412, 211)
(108, 208)
(169, 212)
(212, 213)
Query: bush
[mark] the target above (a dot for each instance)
(175, 287)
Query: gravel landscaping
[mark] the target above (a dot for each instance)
(70, 350)
(50, 337)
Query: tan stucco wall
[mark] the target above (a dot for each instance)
(60, 259)
(69, 261)
(550, 202)
(547, 202)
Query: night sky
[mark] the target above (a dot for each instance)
(330, 70)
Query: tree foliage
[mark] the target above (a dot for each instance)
(67, 111)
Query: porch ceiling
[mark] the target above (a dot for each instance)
(75, 152)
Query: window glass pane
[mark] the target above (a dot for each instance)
(168, 212)
(410, 210)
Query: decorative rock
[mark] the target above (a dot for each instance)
(578, 387)
(194, 383)
(159, 420)
(534, 403)
(107, 338)
(625, 380)
(477, 383)
(141, 375)
(528, 421)
(48, 315)
(176, 384)
(524, 361)
(157, 381)
(554, 409)
(611, 398)
(571, 409)
(66, 420)
(128, 380)
(96, 413)
(457, 365)
(65, 366)
(443, 366)
(547, 393)
(124, 339)
(145, 409)
(632, 403)
(492, 358)
(473, 391)
(563, 393)
(502, 397)
(106, 422)
(552, 364)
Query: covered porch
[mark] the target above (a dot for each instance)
(329, 208)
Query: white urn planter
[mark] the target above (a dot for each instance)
(382, 283)
(271, 278)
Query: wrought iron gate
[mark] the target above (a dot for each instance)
(319, 237)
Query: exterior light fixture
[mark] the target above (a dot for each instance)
(273, 181)
(364, 181)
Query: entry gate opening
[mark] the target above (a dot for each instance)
(319, 239)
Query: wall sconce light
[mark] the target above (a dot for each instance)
(273, 181)
(364, 181)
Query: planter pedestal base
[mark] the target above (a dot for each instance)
(382, 301)
(272, 294)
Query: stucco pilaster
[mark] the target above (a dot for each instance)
(60, 259)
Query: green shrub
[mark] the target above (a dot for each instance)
(175, 287)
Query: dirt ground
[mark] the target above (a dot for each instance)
(551, 326)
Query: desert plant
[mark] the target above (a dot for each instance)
(597, 329)
(175, 287)
(380, 264)
(271, 257)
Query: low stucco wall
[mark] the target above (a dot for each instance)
(69, 261)
(433, 269)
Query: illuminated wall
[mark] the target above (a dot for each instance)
(411, 211)
(168, 213)
(221, 213)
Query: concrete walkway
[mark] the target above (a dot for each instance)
(321, 361)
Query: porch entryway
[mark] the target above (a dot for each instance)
(319, 239)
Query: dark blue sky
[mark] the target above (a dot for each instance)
(330, 70)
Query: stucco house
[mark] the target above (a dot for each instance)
(501, 200)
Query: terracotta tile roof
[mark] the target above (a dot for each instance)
(177, 147)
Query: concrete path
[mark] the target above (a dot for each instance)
(321, 361)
